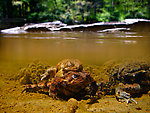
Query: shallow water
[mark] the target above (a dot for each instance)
(17, 50)
(89, 47)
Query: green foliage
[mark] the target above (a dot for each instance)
(1, 13)
(75, 11)
(104, 16)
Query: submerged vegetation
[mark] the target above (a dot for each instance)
(74, 11)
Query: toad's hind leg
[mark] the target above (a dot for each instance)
(35, 87)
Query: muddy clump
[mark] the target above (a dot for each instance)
(31, 73)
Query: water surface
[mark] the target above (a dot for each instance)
(89, 47)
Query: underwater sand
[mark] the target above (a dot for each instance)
(12, 101)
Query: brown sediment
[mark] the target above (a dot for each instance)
(11, 99)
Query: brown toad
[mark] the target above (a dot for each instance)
(63, 67)
(125, 78)
(71, 85)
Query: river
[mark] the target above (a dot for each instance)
(88, 46)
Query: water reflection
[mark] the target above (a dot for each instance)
(89, 47)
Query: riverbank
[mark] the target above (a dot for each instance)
(7, 23)
(127, 24)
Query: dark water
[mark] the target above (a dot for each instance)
(89, 47)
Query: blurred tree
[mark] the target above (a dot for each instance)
(6, 8)
(148, 8)
(75, 11)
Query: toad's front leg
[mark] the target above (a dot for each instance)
(52, 91)
(123, 96)
(56, 87)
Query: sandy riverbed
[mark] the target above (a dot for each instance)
(12, 101)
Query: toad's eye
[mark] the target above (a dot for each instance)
(69, 64)
(75, 76)
(62, 66)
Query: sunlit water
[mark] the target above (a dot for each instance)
(89, 47)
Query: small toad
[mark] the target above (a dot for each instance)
(63, 67)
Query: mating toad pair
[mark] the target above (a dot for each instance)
(70, 81)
